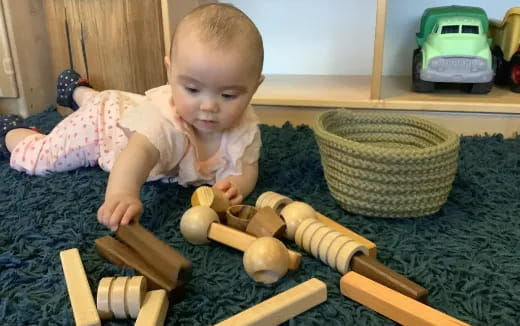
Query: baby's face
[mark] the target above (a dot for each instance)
(211, 87)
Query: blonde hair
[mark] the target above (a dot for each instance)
(222, 25)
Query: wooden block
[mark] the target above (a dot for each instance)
(154, 309)
(392, 304)
(281, 307)
(117, 297)
(136, 289)
(120, 254)
(103, 298)
(210, 197)
(372, 249)
(241, 240)
(374, 270)
(156, 253)
(266, 223)
(81, 299)
(238, 216)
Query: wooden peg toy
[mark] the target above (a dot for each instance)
(200, 225)
(239, 216)
(292, 219)
(344, 254)
(154, 309)
(392, 304)
(293, 214)
(81, 299)
(120, 297)
(266, 223)
(282, 307)
(210, 197)
(266, 260)
(273, 200)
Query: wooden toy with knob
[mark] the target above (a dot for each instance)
(264, 257)
(341, 250)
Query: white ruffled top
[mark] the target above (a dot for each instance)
(156, 119)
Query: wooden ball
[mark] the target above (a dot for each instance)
(266, 260)
(293, 214)
(195, 223)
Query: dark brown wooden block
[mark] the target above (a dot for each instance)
(374, 270)
(156, 253)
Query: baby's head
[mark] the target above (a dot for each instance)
(214, 67)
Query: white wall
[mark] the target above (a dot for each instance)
(331, 37)
(336, 37)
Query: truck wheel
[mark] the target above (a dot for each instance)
(515, 73)
(501, 68)
(419, 85)
(481, 88)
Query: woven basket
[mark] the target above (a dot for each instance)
(386, 164)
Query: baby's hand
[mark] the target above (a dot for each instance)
(119, 209)
(230, 190)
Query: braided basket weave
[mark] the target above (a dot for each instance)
(386, 164)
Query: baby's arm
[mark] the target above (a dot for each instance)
(129, 173)
(238, 187)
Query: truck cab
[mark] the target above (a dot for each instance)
(453, 47)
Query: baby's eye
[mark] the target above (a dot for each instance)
(192, 90)
(229, 96)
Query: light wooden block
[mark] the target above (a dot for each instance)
(103, 298)
(281, 307)
(210, 197)
(81, 299)
(392, 304)
(154, 309)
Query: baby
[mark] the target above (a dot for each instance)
(198, 129)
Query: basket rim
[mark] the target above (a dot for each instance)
(450, 138)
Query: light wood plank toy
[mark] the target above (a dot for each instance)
(200, 224)
(281, 307)
(210, 197)
(392, 304)
(154, 309)
(81, 299)
(344, 254)
(266, 223)
(296, 213)
(120, 297)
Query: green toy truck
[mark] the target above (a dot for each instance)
(506, 48)
(453, 47)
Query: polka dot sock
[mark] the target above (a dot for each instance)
(8, 123)
(67, 82)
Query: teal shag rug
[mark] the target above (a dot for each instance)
(467, 255)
